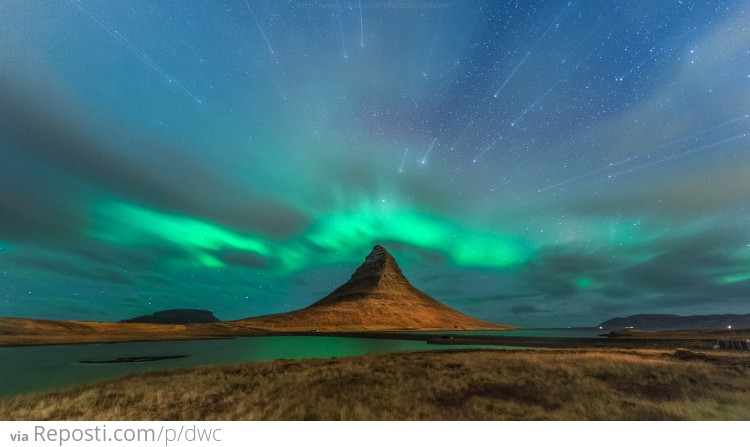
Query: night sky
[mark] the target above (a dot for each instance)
(538, 163)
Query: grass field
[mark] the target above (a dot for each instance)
(457, 385)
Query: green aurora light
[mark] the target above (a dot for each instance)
(339, 237)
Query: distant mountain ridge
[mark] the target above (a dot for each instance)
(376, 297)
(176, 316)
(669, 322)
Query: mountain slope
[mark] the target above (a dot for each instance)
(377, 297)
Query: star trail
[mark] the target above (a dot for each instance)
(541, 163)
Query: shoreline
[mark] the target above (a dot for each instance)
(639, 342)
(472, 384)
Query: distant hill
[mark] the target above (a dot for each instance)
(669, 322)
(27, 332)
(377, 297)
(176, 316)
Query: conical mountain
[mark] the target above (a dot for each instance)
(377, 297)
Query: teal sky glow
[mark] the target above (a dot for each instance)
(542, 163)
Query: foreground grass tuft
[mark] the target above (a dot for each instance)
(453, 385)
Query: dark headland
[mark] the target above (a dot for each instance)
(669, 322)
(176, 316)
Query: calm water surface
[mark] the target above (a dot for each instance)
(43, 368)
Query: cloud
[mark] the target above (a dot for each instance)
(680, 151)
(33, 205)
(560, 271)
(672, 270)
(48, 129)
(525, 309)
(69, 268)
(243, 259)
(699, 188)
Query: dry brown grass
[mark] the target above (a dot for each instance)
(475, 385)
(698, 334)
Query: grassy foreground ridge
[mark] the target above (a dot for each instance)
(557, 384)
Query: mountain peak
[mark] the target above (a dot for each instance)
(376, 297)
(378, 255)
(379, 266)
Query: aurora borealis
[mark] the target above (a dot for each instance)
(541, 163)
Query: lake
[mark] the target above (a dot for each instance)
(41, 368)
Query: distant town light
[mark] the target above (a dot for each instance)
(729, 327)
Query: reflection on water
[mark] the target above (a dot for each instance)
(47, 367)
